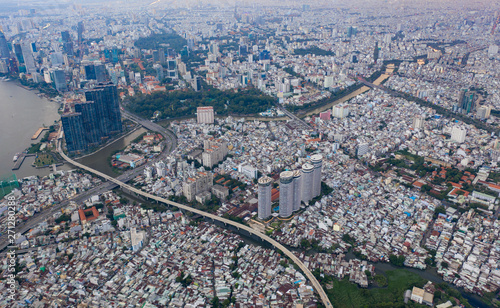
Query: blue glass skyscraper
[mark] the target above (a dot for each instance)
(99, 118)
(4, 48)
(74, 133)
(105, 97)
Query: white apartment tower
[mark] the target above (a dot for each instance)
(215, 151)
(340, 111)
(297, 189)
(265, 187)
(317, 162)
(205, 115)
(418, 122)
(307, 182)
(286, 193)
(458, 134)
(199, 184)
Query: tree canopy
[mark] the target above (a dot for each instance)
(184, 103)
(154, 41)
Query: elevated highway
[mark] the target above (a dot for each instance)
(305, 270)
(171, 144)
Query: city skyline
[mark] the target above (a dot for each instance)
(250, 154)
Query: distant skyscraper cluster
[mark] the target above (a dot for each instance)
(94, 120)
(295, 187)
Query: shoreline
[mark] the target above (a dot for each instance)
(35, 91)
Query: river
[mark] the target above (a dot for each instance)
(99, 159)
(23, 112)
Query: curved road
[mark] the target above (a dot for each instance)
(310, 276)
(125, 177)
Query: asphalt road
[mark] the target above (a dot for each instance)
(171, 144)
(305, 270)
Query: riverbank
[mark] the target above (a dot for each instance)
(23, 113)
(98, 160)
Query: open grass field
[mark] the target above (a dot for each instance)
(347, 294)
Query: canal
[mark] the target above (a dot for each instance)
(99, 160)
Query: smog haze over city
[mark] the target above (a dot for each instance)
(242, 154)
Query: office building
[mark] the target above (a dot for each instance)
(59, 78)
(105, 97)
(418, 122)
(19, 53)
(264, 55)
(29, 61)
(90, 72)
(99, 118)
(136, 238)
(352, 31)
(74, 133)
(205, 115)
(214, 49)
(172, 68)
(363, 149)
(199, 184)
(67, 43)
(65, 36)
(467, 101)
(159, 71)
(286, 194)
(297, 189)
(161, 55)
(100, 73)
(56, 58)
(458, 134)
(265, 187)
(137, 78)
(317, 162)
(89, 122)
(196, 83)
(156, 56)
(80, 29)
(483, 112)
(329, 82)
(190, 43)
(307, 180)
(492, 50)
(4, 47)
(4, 66)
(249, 171)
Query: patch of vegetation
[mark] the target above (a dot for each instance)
(185, 280)
(43, 87)
(380, 281)
(347, 294)
(34, 148)
(63, 217)
(397, 260)
(44, 159)
(313, 50)
(491, 299)
(154, 41)
(184, 103)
